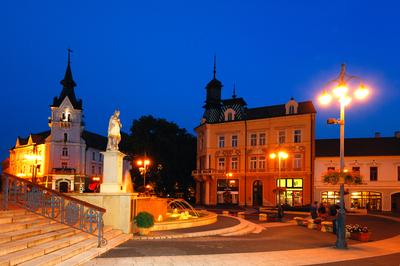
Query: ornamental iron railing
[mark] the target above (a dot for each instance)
(54, 205)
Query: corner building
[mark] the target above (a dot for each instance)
(234, 144)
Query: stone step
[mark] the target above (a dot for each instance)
(10, 213)
(26, 217)
(5, 220)
(22, 225)
(68, 252)
(14, 246)
(244, 231)
(94, 252)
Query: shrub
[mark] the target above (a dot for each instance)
(348, 178)
(144, 220)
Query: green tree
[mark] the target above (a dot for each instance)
(172, 151)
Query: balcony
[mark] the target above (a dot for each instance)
(63, 171)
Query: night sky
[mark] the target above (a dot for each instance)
(156, 57)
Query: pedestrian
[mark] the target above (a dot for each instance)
(322, 211)
(313, 210)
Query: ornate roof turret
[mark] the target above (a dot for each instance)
(214, 89)
(68, 87)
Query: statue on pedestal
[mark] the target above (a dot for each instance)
(114, 135)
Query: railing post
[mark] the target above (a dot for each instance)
(99, 228)
(52, 205)
(5, 192)
(62, 209)
(14, 185)
(81, 216)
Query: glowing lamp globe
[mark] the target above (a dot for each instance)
(325, 98)
(361, 93)
(340, 91)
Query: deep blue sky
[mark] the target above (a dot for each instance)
(155, 57)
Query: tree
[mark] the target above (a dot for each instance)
(172, 151)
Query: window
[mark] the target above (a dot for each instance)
(234, 140)
(297, 161)
(93, 170)
(261, 162)
(230, 116)
(331, 169)
(261, 139)
(398, 173)
(373, 173)
(221, 141)
(64, 164)
(356, 170)
(253, 139)
(99, 170)
(221, 163)
(297, 136)
(100, 157)
(65, 137)
(63, 118)
(93, 156)
(253, 163)
(281, 137)
(64, 152)
(291, 109)
(234, 163)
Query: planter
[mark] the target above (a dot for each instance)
(144, 231)
(363, 237)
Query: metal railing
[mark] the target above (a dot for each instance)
(54, 205)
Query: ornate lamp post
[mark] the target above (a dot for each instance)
(143, 164)
(341, 93)
(281, 156)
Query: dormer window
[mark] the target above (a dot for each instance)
(229, 114)
(291, 107)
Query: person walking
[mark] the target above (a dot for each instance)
(314, 210)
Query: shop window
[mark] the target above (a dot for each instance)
(373, 173)
(331, 197)
(293, 192)
(366, 200)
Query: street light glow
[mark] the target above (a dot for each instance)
(362, 92)
(283, 155)
(325, 98)
(272, 156)
(345, 100)
(340, 91)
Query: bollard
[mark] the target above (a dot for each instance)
(263, 217)
(240, 215)
(225, 213)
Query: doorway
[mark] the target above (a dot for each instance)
(257, 193)
(63, 186)
(396, 202)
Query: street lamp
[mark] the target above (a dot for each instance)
(143, 164)
(33, 159)
(341, 93)
(281, 156)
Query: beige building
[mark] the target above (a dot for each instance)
(377, 160)
(234, 146)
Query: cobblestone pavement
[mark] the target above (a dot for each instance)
(274, 246)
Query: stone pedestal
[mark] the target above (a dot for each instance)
(112, 172)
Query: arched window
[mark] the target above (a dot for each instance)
(291, 109)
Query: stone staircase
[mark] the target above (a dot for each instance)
(244, 228)
(30, 239)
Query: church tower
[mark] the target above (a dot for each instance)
(67, 147)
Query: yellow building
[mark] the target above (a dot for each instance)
(234, 145)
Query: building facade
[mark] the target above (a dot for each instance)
(66, 155)
(377, 160)
(234, 144)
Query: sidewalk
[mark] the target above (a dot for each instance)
(292, 257)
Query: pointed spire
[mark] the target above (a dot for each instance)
(215, 66)
(234, 90)
(68, 81)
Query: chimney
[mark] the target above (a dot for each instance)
(377, 135)
(397, 134)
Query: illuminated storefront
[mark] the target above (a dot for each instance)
(228, 191)
(366, 200)
(291, 191)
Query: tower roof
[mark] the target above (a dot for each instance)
(68, 90)
(214, 83)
